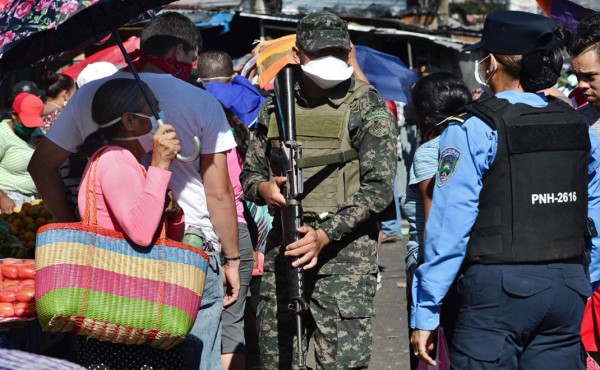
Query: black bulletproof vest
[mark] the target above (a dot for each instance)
(533, 204)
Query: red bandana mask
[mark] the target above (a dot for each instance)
(181, 70)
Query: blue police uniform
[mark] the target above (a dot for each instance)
(512, 316)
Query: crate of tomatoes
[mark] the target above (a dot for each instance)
(17, 280)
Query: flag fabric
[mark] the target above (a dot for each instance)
(565, 12)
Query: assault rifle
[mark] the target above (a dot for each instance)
(291, 214)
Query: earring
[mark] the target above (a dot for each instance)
(487, 71)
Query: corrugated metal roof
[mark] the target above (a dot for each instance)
(204, 4)
(378, 8)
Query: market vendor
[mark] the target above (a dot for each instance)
(16, 186)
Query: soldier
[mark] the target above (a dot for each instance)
(335, 114)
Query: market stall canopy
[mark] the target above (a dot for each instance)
(204, 4)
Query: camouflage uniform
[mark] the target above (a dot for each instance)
(341, 288)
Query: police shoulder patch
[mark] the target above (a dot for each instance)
(448, 164)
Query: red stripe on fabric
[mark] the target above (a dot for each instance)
(130, 287)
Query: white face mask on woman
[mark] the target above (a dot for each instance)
(328, 71)
(146, 140)
(477, 73)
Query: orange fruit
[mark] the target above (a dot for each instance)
(40, 221)
(29, 236)
(34, 211)
(45, 213)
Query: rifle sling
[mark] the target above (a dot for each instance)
(324, 160)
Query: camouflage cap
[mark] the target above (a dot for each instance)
(322, 30)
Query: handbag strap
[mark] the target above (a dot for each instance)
(90, 215)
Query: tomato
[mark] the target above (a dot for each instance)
(26, 272)
(25, 294)
(8, 295)
(10, 283)
(29, 262)
(20, 308)
(10, 271)
(27, 282)
(11, 261)
(6, 309)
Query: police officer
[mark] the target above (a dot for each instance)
(335, 114)
(509, 212)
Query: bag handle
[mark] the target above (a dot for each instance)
(90, 215)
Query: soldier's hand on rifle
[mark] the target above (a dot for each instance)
(308, 248)
(270, 191)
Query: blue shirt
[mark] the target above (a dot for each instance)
(454, 209)
(424, 167)
(240, 96)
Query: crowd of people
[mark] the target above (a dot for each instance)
(501, 200)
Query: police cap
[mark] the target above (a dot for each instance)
(514, 33)
(322, 30)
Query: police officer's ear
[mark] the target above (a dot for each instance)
(492, 66)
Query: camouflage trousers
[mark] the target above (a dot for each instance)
(338, 319)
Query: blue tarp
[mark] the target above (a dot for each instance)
(387, 73)
(218, 20)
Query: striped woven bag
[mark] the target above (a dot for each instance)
(95, 282)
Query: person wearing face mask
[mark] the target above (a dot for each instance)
(130, 198)
(347, 129)
(215, 69)
(169, 44)
(16, 185)
(516, 182)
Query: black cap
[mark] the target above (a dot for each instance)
(515, 33)
(26, 87)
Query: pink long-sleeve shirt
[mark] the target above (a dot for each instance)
(129, 199)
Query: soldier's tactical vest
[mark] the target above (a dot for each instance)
(330, 164)
(533, 204)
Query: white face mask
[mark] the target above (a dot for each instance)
(146, 140)
(477, 73)
(328, 71)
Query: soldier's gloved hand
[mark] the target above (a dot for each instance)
(270, 191)
(308, 248)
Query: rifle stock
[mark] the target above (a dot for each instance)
(291, 214)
